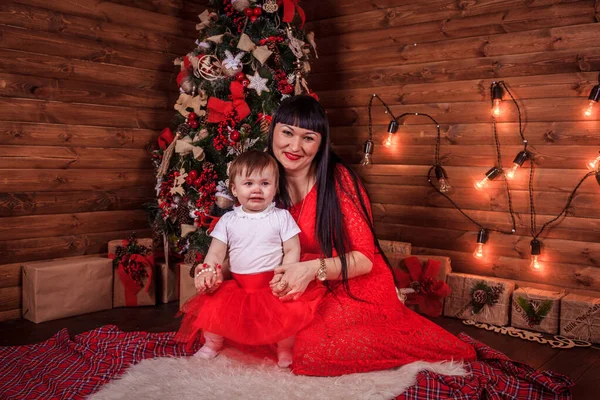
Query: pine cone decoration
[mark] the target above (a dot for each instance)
(264, 126)
(480, 296)
(183, 213)
(276, 57)
(184, 129)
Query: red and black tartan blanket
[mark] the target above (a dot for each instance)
(73, 368)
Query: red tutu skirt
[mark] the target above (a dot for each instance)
(245, 311)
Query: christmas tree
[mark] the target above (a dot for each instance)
(249, 56)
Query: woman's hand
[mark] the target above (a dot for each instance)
(206, 281)
(291, 280)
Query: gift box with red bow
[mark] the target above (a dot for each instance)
(134, 280)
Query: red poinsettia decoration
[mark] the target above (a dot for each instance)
(428, 290)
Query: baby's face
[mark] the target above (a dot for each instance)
(256, 191)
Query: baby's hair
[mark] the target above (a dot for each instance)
(250, 162)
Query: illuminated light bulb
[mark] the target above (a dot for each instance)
(497, 93)
(536, 250)
(368, 151)
(478, 253)
(517, 162)
(482, 238)
(392, 129)
(492, 174)
(442, 178)
(535, 264)
(593, 165)
(593, 98)
(496, 107)
(388, 140)
(482, 183)
(510, 173)
(590, 109)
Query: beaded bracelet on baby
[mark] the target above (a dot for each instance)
(207, 268)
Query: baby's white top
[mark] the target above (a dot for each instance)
(255, 240)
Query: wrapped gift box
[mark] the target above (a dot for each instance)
(478, 298)
(167, 283)
(66, 287)
(390, 247)
(186, 284)
(580, 317)
(536, 309)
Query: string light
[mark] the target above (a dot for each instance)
(497, 94)
(492, 174)
(517, 162)
(593, 98)
(392, 129)
(482, 239)
(594, 165)
(535, 253)
(368, 152)
(442, 178)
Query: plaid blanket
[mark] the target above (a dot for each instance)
(73, 368)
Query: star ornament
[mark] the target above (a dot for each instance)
(258, 83)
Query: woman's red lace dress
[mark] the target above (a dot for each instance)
(349, 336)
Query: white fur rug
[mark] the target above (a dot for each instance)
(233, 375)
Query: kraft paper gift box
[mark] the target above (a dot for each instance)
(390, 247)
(168, 283)
(580, 317)
(127, 291)
(536, 309)
(66, 287)
(186, 284)
(479, 298)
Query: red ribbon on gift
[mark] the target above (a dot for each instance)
(164, 140)
(289, 10)
(129, 284)
(218, 109)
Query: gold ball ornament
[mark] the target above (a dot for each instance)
(209, 68)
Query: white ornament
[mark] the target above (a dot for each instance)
(270, 6)
(258, 83)
(233, 63)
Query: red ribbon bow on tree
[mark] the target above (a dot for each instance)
(164, 140)
(289, 9)
(429, 291)
(218, 109)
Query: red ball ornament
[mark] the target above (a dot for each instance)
(192, 116)
(257, 11)
(253, 18)
(240, 76)
(245, 82)
(235, 136)
(193, 124)
(248, 12)
(197, 182)
(188, 180)
(193, 174)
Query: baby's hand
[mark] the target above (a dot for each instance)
(208, 279)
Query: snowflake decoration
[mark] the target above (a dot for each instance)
(231, 62)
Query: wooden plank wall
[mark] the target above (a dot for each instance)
(439, 57)
(85, 87)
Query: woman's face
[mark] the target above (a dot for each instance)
(295, 148)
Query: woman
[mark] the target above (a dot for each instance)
(360, 324)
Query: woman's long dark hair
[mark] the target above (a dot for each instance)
(307, 113)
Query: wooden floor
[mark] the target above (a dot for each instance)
(581, 364)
